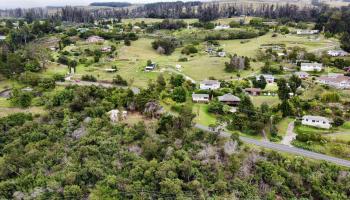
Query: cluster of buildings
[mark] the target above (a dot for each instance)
(338, 81)
(228, 99)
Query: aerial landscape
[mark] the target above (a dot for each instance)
(241, 99)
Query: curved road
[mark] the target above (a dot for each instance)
(284, 148)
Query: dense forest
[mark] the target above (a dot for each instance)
(74, 151)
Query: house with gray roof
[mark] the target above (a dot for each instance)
(229, 99)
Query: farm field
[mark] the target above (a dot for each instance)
(131, 60)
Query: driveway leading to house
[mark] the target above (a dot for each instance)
(283, 148)
(290, 135)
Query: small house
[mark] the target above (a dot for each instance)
(316, 121)
(136, 28)
(229, 99)
(209, 85)
(337, 53)
(268, 77)
(281, 54)
(221, 53)
(200, 98)
(253, 91)
(307, 32)
(222, 27)
(310, 67)
(106, 49)
(94, 39)
(110, 70)
(150, 67)
(302, 75)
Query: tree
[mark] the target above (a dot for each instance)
(179, 94)
(261, 83)
(21, 98)
(72, 64)
(286, 108)
(177, 80)
(216, 107)
(72, 192)
(161, 82)
(246, 106)
(345, 41)
(165, 43)
(283, 89)
(294, 83)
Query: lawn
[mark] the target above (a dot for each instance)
(202, 115)
(310, 130)
(269, 100)
(341, 136)
(250, 48)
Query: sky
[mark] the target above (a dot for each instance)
(44, 3)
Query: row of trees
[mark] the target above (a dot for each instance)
(200, 10)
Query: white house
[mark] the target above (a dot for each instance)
(336, 53)
(209, 85)
(268, 77)
(338, 81)
(222, 27)
(200, 98)
(307, 32)
(302, 75)
(316, 121)
(221, 53)
(310, 67)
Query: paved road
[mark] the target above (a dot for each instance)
(284, 148)
(290, 135)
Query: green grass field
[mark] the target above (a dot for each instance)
(202, 115)
(131, 60)
(269, 100)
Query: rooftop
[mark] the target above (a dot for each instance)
(200, 95)
(210, 82)
(228, 97)
(317, 118)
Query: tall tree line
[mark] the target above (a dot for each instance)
(203, 11)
